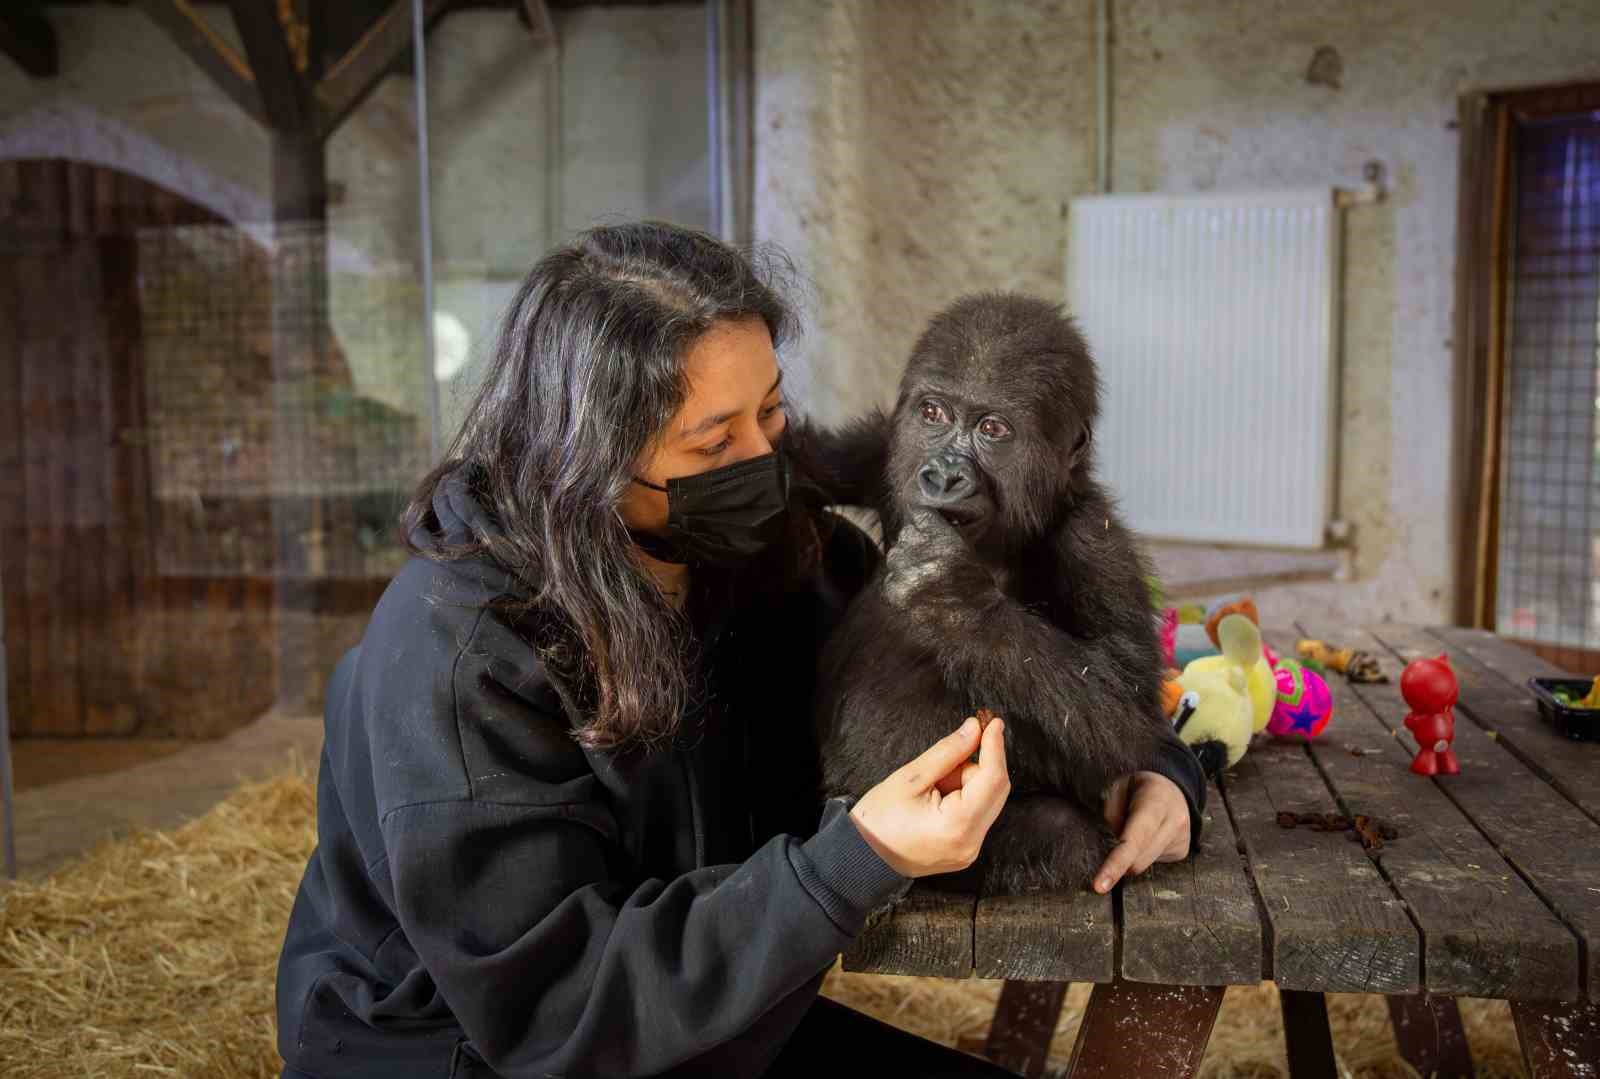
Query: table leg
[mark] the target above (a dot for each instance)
(1430, 1035)
(1024, 1021)
(1306, 1035)
(1130, 1028)
(1559, 1041)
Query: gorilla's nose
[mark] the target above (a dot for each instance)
(947, 478)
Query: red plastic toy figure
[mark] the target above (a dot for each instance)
(1429, 687)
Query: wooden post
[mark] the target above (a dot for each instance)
(1306, 1035)
(1169, 1041)
(1431, 1038)
(298, 316)
(1024, 1022)
(1559, 1041)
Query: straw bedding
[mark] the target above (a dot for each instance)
(155, 955)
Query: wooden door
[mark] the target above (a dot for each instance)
(1526, 325)
(94, 647)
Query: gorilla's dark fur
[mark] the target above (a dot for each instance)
(1009, 584)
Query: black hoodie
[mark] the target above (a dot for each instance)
(487, 898)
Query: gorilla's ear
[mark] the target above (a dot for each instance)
(1080, 447)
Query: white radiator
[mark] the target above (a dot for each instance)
(1212, 318)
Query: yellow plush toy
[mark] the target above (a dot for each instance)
(1214, 712)
(1245, 652)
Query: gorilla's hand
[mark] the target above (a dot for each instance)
(930, 561)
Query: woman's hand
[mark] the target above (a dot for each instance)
(1151, 815)
(930, 816)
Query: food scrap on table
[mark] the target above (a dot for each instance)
(1354, 664)
(1370, 831)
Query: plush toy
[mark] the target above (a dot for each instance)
(1213, 713)
(1260, 683)
(1169, 636)
(1304, 705)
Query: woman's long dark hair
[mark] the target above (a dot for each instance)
(588, 370)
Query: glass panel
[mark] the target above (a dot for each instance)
(1548, 588)
(214, 394)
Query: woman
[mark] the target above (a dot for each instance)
(565, 813)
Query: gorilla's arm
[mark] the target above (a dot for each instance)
(1095, 693)
(847, 463)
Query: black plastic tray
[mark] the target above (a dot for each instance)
(1582, 724)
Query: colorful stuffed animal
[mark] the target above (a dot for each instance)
(1169, 635)
(1260, 683)
(1214, 714)
(1304, 705)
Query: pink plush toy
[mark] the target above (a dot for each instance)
(1169, 636)
(1304, 704)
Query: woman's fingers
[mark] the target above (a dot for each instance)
(955, 780)
(1156, 829)
(1116, 803)
(936, 762)
(1126, 857)
(983, 791)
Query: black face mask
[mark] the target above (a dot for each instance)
(721, 517)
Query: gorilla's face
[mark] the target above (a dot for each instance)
(959, 446)
(993, 419)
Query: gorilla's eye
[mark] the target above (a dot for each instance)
(933, 412)
(995, 428)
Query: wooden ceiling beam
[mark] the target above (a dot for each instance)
(279, 81)
(189, 30)
(30, 41)
(354, 75)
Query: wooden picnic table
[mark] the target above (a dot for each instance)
(1491, 889)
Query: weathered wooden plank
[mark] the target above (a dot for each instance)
(1547, 839)
(1484, 932)
(929, 932)
(1510, 661)
(1559, 1041)
(1335, 924)
(1493, 678)
(1045, 936)
(1195, 922)
(1430, 1036)
(1024, 1024)
(1134, 1029)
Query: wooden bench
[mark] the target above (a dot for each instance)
(1491, 889)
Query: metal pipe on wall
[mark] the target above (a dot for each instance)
(728, 109)
(430, 380)
(1102, 63)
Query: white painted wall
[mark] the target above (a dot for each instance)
(907, 153)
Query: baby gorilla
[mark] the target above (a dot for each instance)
(1009, 584)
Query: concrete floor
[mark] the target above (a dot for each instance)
(168, 784)
(40, 762)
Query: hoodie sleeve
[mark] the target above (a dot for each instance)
(552, 965)
(1178, 763)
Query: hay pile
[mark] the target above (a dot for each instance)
(155, 955)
